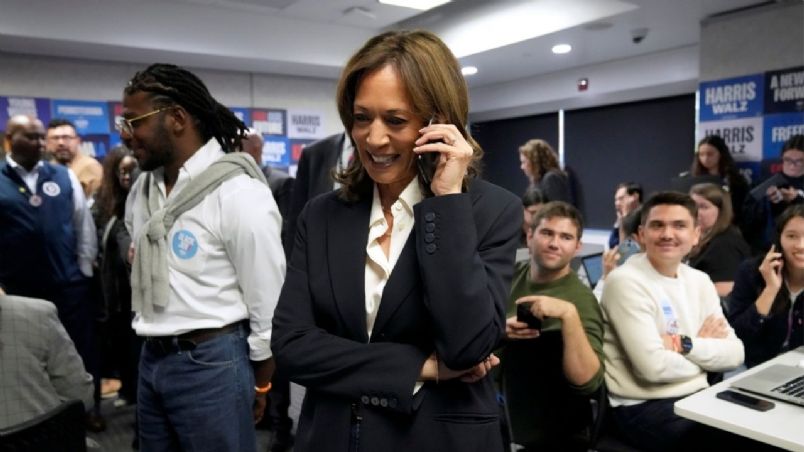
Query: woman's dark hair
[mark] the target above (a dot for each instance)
(111, 199)
(631, 222)
(432, 79)
(631, 188)
(726, 167)
(532, 197)
(794, 142)
(782, 303)
(171, 85)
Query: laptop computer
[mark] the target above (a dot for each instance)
(593, 266)
(780, 382)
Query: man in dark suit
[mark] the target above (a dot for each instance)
(280, 182)
(314, 175)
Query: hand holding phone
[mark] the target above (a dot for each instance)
(524, 315)
(427, 162)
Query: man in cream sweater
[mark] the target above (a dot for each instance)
(664, 330)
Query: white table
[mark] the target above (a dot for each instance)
(782, 426)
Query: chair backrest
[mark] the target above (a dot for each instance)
(60, 429)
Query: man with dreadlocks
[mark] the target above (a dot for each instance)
(207, 269)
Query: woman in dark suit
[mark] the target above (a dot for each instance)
(395, 293)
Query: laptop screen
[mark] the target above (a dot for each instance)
(593, 265)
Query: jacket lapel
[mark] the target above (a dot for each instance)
(403, 279)
(347, 233)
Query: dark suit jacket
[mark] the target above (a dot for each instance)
(281, 185)
(313, 176)
(447, 293)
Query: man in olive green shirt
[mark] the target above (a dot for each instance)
(548, 374)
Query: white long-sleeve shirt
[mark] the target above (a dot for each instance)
(225, 257)
(639, 306)
(86, 245)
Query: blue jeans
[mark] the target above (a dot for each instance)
(197, 400)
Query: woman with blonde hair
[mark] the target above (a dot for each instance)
(539, 162)
(721, 247)
(396, 289)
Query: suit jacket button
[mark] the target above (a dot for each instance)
(429, 237)
(365, 400)
(393, 402)
(383, 402)
(430, 248)
(429, 216)
(375, 401)
(429, 227)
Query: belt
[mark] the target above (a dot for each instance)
(189, 340)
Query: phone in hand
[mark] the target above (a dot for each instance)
(626, 249)
(746, 400)
(427, 161)
(524, 315)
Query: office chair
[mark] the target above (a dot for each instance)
(59, 430)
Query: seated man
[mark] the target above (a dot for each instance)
(39, 367)
(664, 330)
(548, 373)
(627, 198)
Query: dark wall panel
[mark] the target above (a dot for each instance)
(501, 140)
(647, 142)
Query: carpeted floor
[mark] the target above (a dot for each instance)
(120, 426)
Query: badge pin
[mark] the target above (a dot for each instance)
(35, 200)
(51, 189)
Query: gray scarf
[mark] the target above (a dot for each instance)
(149, 273)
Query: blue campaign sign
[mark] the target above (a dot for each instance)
(31, 106)
(269, 121)
(243, 114)
(95, 145)
(89, 117)
(275, 151)
(784, 90)
(778, 129)
(738, 97)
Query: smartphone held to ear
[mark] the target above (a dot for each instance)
(427, 161)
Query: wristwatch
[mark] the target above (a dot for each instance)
(686, 344)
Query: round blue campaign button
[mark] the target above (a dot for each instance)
(185, 245)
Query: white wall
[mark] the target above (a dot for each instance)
(753, 41)
(62, 78)
(654, 75)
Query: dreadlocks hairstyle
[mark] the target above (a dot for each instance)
(171, 85)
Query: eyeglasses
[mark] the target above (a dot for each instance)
(127, 125)
(56, 138)
(794, 162)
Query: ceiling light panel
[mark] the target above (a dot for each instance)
(421, 5)
(507, 22)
